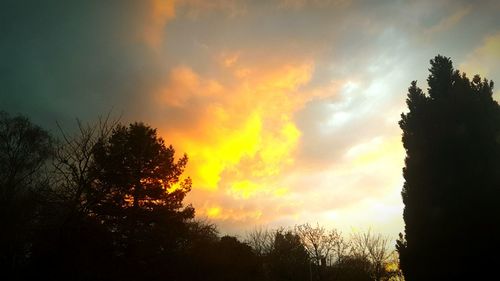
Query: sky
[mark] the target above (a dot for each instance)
(287, 109)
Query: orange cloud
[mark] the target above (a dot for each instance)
(237, 122)
(159, 13)
(213, 212)
(240, 134)
(184, 85)
(220, 213)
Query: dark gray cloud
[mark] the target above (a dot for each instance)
(64, 59)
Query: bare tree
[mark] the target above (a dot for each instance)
(314, 240)
(261, 240)
(73, 169)
(373, 247)
(340, 246)
(324, 246)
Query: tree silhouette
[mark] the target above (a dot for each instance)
(352, 268)
(24, 151)
(115, 211)
(261, 240)
(288, 259)
(451, 137)
(323, 246)
(224, 259)
(70, 240)
(139, 194)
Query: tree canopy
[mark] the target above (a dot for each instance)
(115, 209)
(139, 195)
(451, 136)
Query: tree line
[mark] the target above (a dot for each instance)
(312, 252)
(106, 203)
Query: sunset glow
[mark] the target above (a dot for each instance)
(287, 109)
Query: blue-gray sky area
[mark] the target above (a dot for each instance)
(288, 109)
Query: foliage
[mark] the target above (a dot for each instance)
(139, 193)
(115, 208)
(288, 259)
(451, 138)
(352, 268)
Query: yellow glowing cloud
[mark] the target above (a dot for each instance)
(238, 130)
(217, 148)
(374, 151)
(244, 189)
(280, 192)
(216, 212)
(185, 84)
(277, 149)
(213, 212)
(227, 152)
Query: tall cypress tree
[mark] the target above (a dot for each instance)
(452, 176)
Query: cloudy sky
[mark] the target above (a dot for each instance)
(288, 109)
